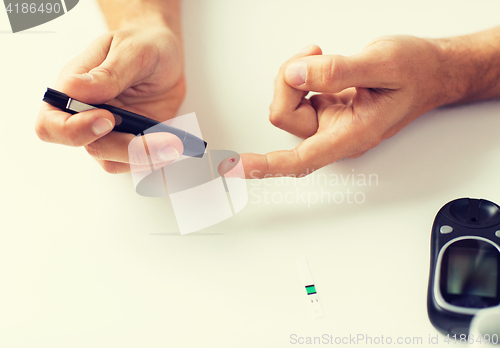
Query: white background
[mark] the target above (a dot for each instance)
(86, 262)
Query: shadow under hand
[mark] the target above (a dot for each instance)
(442, 151)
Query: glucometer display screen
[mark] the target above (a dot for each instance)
(470, 274)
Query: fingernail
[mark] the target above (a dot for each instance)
(168, 153)
(296, 73)
(101, 126)
(305, 49)
(85, 77)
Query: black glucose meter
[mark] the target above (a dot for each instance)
(465, 263)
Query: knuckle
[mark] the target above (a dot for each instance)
(397, 63)
(41, 131)
(111, 167)
(95, 149)
(70, 135)
(107, 37)
(110, 72)
(301, 165)
(327, 73)
(276, 118)
(332, 72)
(146, 54)
(396, 56)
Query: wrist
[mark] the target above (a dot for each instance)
(142, 13)
(469, 67)
(453, 69)
(144, 20)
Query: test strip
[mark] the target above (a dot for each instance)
(312, 296)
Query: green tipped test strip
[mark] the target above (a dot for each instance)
(307, 281)
(310, 289)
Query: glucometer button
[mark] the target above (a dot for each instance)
(445, 229)
(497, 233)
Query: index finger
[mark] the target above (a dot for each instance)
(313, 153)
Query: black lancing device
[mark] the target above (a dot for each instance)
(127, 121)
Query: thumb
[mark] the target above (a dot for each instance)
(334, 73)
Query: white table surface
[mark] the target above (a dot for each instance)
(86, 262)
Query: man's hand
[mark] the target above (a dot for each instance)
(364, 99)
(370, 96)
(139, 68)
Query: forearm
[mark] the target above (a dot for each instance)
(470, 67)
(125, 13)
